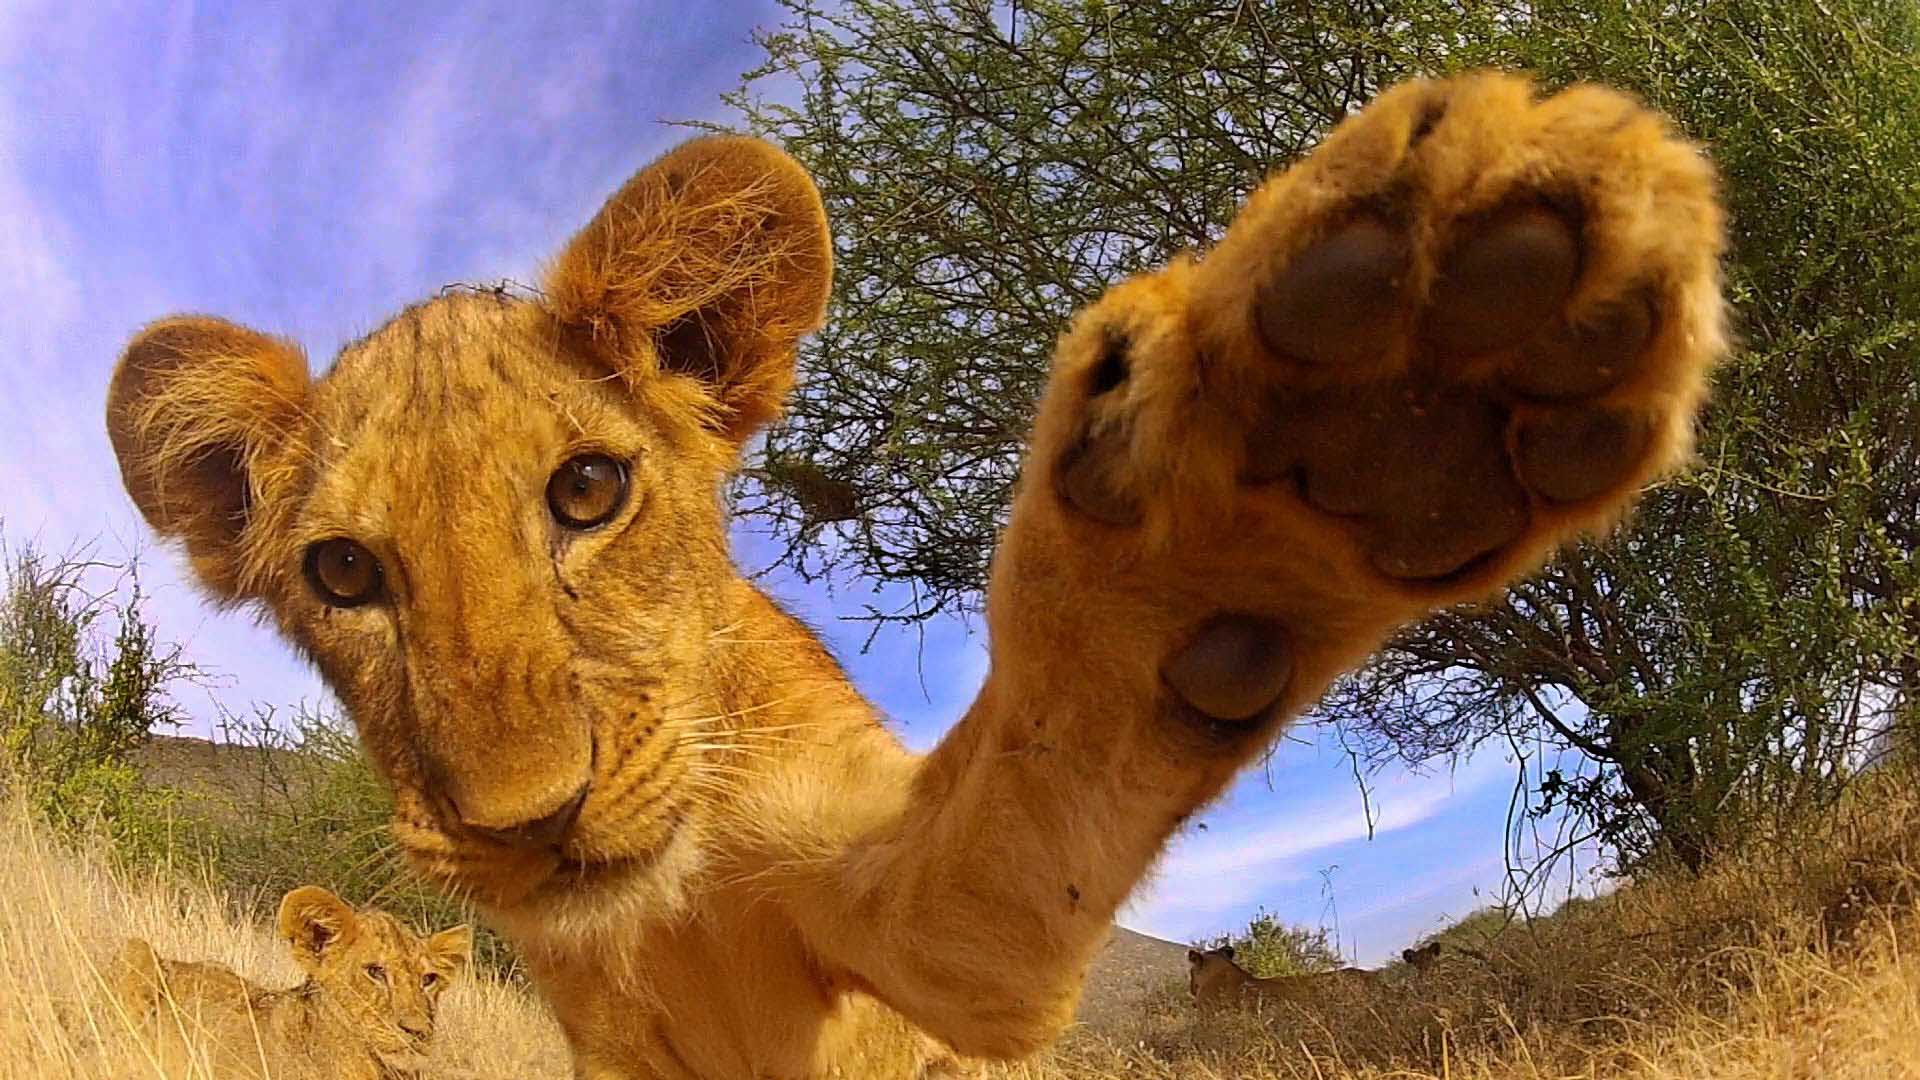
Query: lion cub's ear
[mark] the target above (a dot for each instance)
(312, 921)
(709, 264)
(196, 408)
(142, 980)
(450, 949)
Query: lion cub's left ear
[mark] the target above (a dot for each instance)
(709, 265)
(451, 949)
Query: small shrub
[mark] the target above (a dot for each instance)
(1269, 947)
(75, 711)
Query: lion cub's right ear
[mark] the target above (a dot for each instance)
(313, 920)
(451, 950)
(203, 415)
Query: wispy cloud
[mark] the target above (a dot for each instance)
(1261, 848)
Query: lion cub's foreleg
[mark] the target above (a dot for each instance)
(1471, 326)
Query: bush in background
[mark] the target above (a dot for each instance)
(83, 683)
(1269, 947)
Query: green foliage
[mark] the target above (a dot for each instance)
(1269, 947)
(1732, 657)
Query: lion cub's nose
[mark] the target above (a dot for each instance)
(541, 832)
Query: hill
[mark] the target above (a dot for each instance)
(1130, 972)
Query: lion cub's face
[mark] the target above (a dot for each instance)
(507, 571)
(379, 976)
(495, 524)
(1207, 970)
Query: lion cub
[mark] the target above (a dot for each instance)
(1215, 980)
(365, 1011)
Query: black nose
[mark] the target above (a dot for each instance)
(542, 832)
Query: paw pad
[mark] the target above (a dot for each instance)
(1335, 303)
(1421, 460)
(1422, 472)
(1233, 669)
(1508, 278)
(1576, 360)
(1087, 479)
(1572, 456)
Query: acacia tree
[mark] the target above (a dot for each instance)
(987, 170)
(989, 167)
(1730, 658)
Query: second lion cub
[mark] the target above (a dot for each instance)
(365, 1011)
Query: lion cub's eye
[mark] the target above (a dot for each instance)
(343, 572)
(427, 980)
(587, 490)
(377, 973)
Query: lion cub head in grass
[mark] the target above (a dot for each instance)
(496, 522)
(1423, 958)
(1212, 973)
(380, 976)
(365, 1009)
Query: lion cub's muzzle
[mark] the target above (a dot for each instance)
(495, 829)
(505, 738)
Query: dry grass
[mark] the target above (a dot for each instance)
(1797, 960)
(1802, 1014)
(64, 916)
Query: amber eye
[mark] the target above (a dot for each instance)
(427, 980)
(587, 491)
(377, 973)
(343, 572)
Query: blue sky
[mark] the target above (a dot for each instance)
(308, 171)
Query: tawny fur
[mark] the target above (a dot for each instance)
(1215, 979)
(761, 881)
(365, 1011)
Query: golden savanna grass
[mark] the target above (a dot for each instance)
(64, 914)
(1796, 960)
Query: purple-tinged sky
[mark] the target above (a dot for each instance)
(308, 169)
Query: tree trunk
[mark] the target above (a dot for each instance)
(1665, 783)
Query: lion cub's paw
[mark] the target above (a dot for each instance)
(1470, 321)
(1472, 324)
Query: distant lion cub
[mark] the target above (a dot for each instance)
(364, 1013)
(1216, 979)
